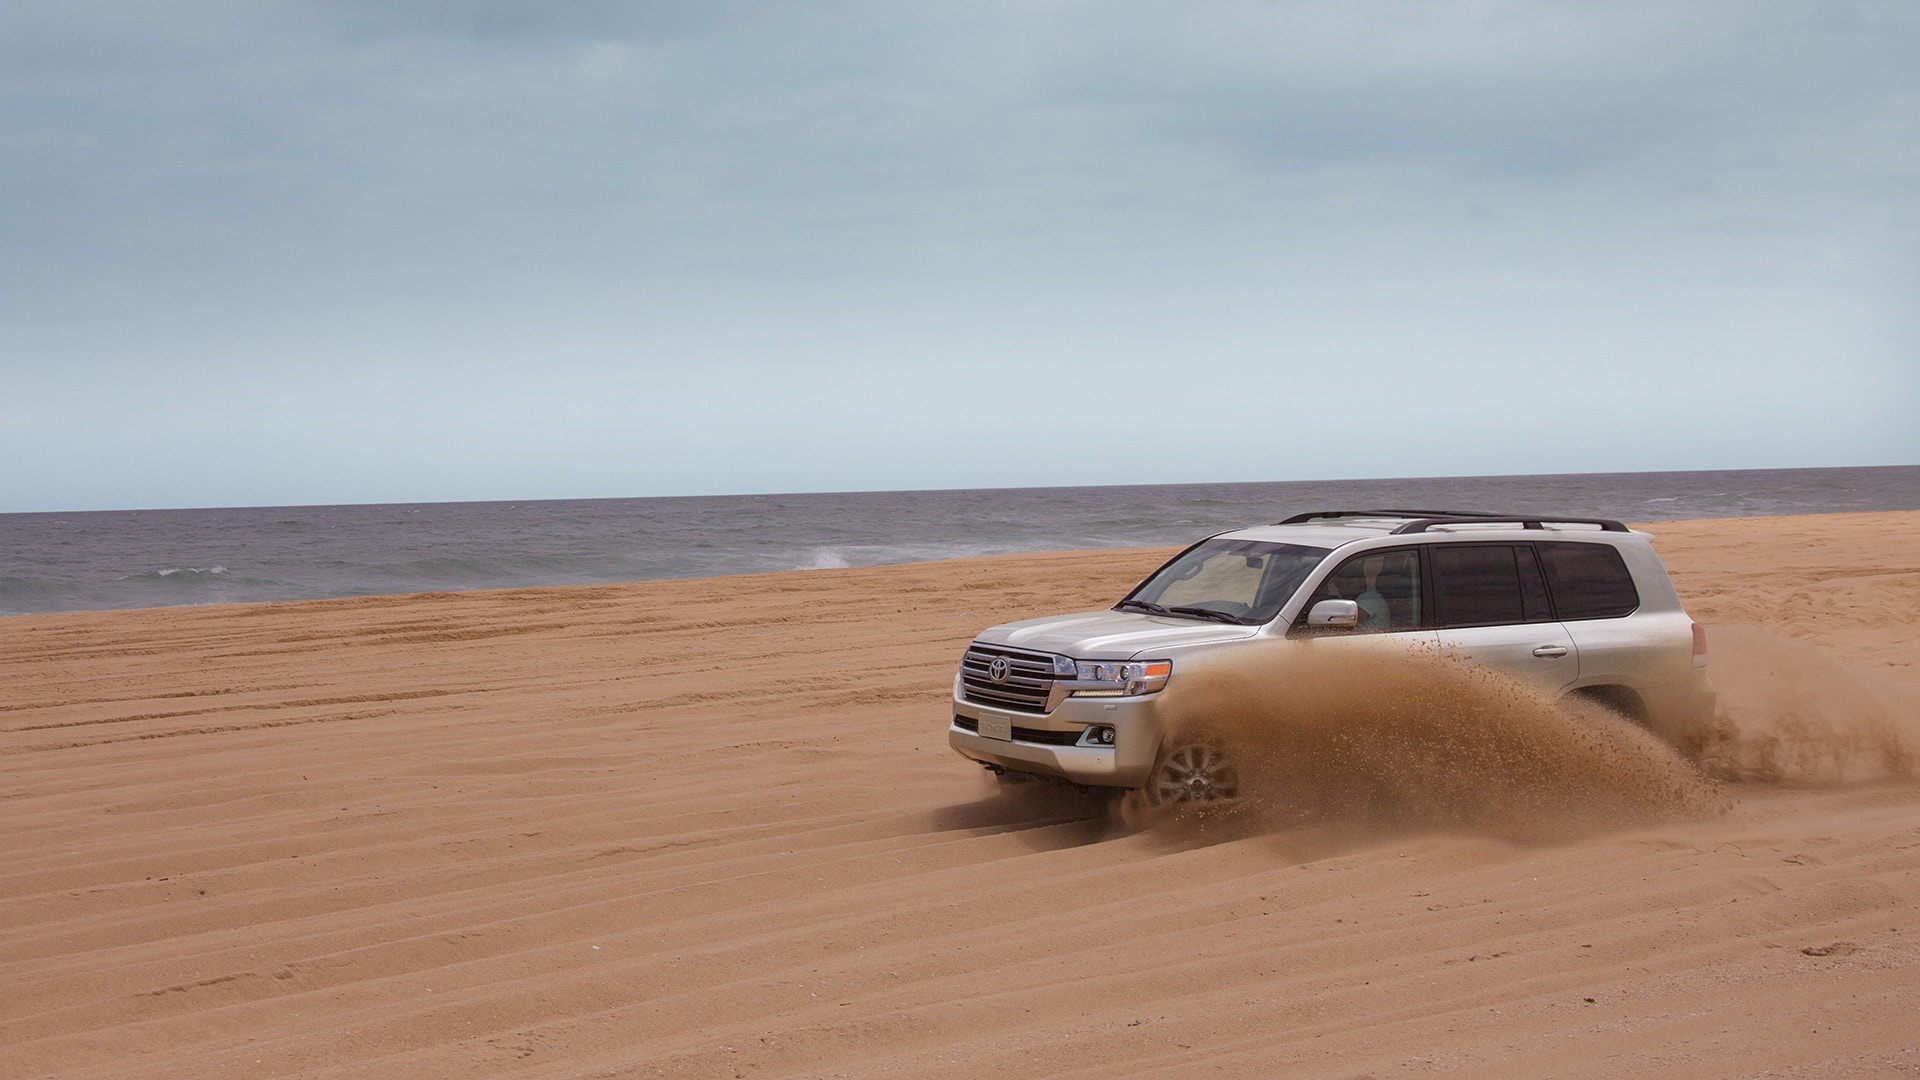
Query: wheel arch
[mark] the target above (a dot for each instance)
(1624, 700)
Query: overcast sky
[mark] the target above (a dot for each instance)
(286, 253)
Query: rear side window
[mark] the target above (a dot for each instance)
(1487, 585)
(1589, 581)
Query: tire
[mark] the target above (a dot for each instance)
(1195, 771)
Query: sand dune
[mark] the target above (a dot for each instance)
(712, 829)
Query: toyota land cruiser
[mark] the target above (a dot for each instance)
(1578, 606)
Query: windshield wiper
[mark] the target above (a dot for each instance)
(1198, 612)
(1208, 613)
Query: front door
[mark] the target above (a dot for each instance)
(1386, 585)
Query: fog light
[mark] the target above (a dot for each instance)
(1099, 736)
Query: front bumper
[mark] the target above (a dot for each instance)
(1137, 726)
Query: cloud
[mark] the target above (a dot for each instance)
(1074, 189)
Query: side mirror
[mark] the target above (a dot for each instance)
(1334, 614)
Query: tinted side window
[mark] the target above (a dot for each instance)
(1481, 585)
(1589, 581)
(1533, 587)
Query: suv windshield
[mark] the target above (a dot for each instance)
(1238, 581)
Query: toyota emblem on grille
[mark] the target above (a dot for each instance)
(999, 669)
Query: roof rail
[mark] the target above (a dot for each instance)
(1323, 514)
(1606, 524)
(1422, 520)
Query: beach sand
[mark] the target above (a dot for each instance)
(712, 829)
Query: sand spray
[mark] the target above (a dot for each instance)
(1373, 735)
(1793, 712)
(1371, 732)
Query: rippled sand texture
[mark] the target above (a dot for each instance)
(711, 829)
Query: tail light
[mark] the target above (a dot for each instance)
(1699, 645)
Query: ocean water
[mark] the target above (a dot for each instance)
(157, 558)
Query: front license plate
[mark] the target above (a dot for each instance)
(996, 727)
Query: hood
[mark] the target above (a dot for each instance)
(1110, 635)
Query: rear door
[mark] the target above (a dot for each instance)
(1490, 606)
(1593, 593)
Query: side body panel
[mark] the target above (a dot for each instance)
(1541, 654)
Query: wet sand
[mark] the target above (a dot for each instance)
(712, 829)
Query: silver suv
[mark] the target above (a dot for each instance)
(1576, 606)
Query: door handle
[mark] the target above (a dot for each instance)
(1550, 652)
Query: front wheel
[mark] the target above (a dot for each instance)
(1199, 771)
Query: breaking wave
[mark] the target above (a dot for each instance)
(185, 573)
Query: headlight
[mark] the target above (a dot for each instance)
(1120, 678)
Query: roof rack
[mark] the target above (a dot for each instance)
(1323, 514)
(1606, 524)
(1427, 519)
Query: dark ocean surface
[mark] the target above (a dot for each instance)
(157, 558)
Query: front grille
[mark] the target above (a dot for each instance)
(1025, 734)
(1027, 687)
